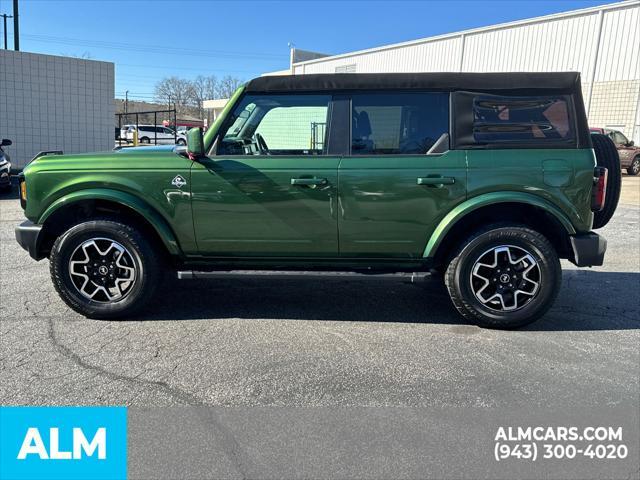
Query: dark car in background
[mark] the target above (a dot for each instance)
(629, 153)
(5, 166)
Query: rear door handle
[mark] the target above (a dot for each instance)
(309, 181)
(437, 182)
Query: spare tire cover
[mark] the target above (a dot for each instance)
(607, 156)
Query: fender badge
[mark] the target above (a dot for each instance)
(178, 181)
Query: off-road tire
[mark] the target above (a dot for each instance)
(147, 264)
(634, 168)
(607, 156)
(459, 284)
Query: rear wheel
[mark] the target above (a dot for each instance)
(607, 156)
(634, 168)
(104, 269)
(145, 140)
(504, 277)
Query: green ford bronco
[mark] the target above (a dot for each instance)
(483, 180)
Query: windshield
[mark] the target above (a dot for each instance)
(241, 120)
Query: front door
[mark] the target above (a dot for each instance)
(625, 151)
(401, 178)
(270, 190)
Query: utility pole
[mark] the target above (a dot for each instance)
(16, 27)
(126, 102)
(5, 16)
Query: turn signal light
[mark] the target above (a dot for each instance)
(599, 191)
(23, 191)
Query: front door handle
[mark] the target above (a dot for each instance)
(437, 182)
(309, 182)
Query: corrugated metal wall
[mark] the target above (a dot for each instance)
(606, 38)
(563, 42)
(619, 54)
(436, 56)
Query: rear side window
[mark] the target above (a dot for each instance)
(522, 120)
(397, 123)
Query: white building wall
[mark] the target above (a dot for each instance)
(436, 56)
(55, 103)
(602, 43)
(566, 44)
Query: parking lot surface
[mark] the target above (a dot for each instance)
(337, 342)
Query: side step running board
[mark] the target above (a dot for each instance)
(411, 277)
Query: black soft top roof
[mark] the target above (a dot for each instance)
(507, 82)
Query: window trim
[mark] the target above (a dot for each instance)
(403, 155)
(213, 151)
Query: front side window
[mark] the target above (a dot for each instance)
(277, 125)
(543, 119)
(619, 138)
(397, 123)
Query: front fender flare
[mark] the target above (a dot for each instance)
(156, 220)
(493, 198)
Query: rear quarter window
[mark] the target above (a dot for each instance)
(489, 121)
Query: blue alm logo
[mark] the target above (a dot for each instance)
(63, 443)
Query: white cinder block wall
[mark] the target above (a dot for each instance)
(55, 103)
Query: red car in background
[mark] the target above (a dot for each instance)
(627, 151)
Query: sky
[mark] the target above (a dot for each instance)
(150, 40)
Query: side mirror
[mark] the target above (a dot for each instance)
(5, 142)
(631, 143)
(195, 143)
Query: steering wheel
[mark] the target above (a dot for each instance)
(262, 145)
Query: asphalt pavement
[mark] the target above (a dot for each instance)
(262, 342)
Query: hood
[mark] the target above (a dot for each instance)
(134, 158)
(155, 148)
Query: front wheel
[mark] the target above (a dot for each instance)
(504, 277)
(104, 269)
(634, 168)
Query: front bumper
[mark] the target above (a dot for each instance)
(28, 236)
(588, 249)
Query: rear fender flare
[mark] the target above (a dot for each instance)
(494, 198)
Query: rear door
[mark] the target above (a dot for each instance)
(400, 177)
(271, 188)
(524, 144)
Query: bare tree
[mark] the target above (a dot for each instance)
(188, 95)
(173, 90)
(202, 88)
(227, 86)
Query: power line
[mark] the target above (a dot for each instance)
(180, 68)
(153, 49)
